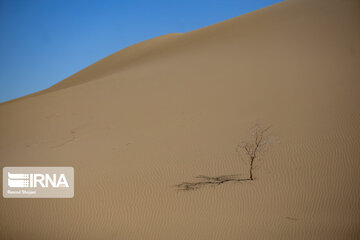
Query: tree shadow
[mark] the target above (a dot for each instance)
(206, 181)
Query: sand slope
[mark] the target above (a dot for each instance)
(174, 107)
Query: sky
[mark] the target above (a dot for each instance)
(44, 42)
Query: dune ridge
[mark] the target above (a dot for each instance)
(175, 107)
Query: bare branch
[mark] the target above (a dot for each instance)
(252, 149)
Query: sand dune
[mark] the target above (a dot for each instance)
(168, 109)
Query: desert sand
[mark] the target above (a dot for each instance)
(171, 108)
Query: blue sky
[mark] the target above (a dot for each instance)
(43, 42)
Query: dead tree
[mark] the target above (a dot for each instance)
(252, 149)
(255, 147)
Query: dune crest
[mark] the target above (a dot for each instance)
(168, 109)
